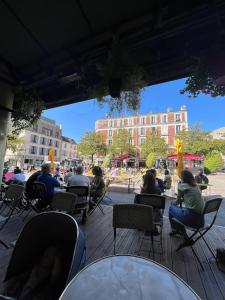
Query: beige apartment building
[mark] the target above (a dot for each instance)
(46, 133)
(68, 149)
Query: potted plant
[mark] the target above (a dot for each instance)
(27, 110)
(121, 80)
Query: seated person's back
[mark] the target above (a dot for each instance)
(18, 176)
(78, 179)
(149, 186)
(29, 183)
(49, 181)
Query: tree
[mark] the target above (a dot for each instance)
(195, 140)
(90, 144)
(107, 160)
(121, 143)
(213, 161)
(14, 143)
(154, 144)
(150, 161)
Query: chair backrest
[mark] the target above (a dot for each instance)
(42, 231)
(14, 192)
(133, 216)
(156, 201)
(63, 201)
(78, 190)
(212, 205)
(39, 189)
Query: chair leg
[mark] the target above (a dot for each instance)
(84, 216)
(7, 218)
(4, 244)
(114, 242)
(196, 256)
(208, 247)
(152, 243)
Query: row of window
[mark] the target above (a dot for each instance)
(44, 141)
(40, 150)
(153, 120)
(140, 141)
(69, 146)
(47, 131)
(142, 130)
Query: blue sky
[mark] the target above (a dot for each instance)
(78, 118)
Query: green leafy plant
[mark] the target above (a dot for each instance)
(107, 161)
(154, 144)
(27, 110)
(201, 81)
(213, 161)
(150, 161)
(122, 80)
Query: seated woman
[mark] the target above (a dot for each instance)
(149, 185)
(191, 214)
(97, 186)
(167, 180)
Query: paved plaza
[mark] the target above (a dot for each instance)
(118, 194)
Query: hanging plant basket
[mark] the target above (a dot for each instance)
(122, 80)
(27, 110)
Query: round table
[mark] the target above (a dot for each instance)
(127, 277)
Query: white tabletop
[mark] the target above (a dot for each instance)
(127, 277)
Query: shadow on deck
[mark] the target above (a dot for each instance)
(208, 284)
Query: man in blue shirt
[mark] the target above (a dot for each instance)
(49, 182)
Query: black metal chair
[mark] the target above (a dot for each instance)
(82, 193)
(39, 193)
(64, 202)
(133, 216)
(158, 204)
(101, 198)
(211, 206)
(48, 229)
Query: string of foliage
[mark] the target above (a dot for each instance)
(121, 73)
(26, 111)
(201, 81)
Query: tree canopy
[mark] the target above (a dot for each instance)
(197, 141)
(90, 144)
(154, 144)
(14, 142)
(120, 143)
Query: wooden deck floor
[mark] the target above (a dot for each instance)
(208, 284)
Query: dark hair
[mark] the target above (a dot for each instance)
(187, 177)
(71, 170)
(17, 170)
(167, 172)
(152, 171)
(149, 181)
(97, 171)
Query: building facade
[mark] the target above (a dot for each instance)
(68, 149)
(166, 125)
(218, 134)
(37, 142)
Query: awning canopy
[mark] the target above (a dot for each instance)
(53, 47)
(187, 156)
(124, 156)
